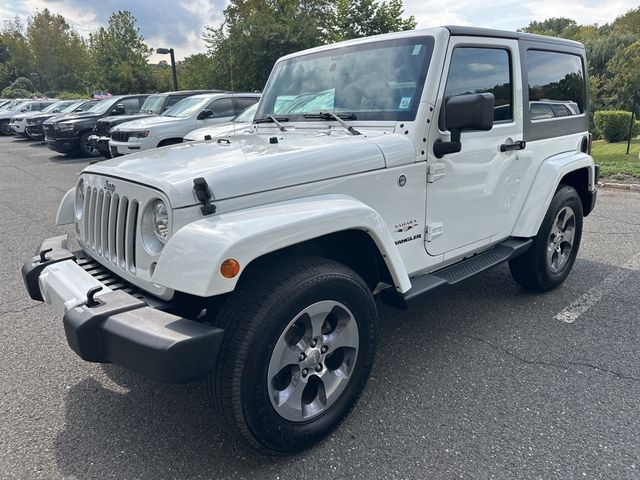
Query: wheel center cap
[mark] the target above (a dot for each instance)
(313, 358)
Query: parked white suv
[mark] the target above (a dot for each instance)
(254, 260)
(171, 127)
(239, 123)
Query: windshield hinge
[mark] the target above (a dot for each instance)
(435, 171)
(203, 194)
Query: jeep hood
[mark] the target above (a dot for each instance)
(250, 163)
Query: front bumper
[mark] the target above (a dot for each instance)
(35, 131)
(17, 127)
(116, 327)
(101, 144)
(63, 145)
(118, 149)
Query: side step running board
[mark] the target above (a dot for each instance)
(457, 272)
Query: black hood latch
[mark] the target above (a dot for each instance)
(203, 194)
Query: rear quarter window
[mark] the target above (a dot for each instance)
(556, 78)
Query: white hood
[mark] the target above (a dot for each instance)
(249, 163)
(148, 122)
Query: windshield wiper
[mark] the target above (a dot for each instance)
(274, 120)
(336, 117)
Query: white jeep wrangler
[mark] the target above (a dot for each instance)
(386, 166)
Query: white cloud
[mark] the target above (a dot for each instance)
(481, 67)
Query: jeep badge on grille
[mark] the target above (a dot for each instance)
(109, 187)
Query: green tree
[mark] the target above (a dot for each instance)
(59, 53)
(195, 72)
(362, 18)
(119, 56)
(256, 33)
(17, 58)
(622, 80)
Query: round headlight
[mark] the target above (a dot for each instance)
(79, 206)
(160, 220)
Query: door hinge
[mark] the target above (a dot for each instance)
(433, 230)
(435, 171)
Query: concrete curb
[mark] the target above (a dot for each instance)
(621, 186)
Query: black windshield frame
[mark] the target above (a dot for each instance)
(270, 95)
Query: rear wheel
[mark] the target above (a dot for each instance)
(549, 260)
(298, 349)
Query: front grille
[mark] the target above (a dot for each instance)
(119, 136)
(35, 129)
(49, 131)
(114, 282)
(102, 129)
(110, 224)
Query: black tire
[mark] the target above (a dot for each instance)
(534, 270)
(5, 129)
(267, 298)
(84, 148)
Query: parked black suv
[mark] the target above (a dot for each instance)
(70, 133)
(35, 130)
(155, 104)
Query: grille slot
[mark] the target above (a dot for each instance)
(110, 227)
(119, 136)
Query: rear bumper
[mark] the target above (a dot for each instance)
(117, 327)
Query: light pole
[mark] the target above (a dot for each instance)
(41, 85)
(164, 51)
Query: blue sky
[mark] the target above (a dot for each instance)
(179, 23)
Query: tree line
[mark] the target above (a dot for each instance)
(47, 55)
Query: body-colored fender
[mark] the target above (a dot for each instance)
(66, 210)
(191, 260)
(546, 182)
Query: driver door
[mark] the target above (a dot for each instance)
(482, 189)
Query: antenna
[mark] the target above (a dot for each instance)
(233, 89)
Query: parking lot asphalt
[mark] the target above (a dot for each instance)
(483, 380)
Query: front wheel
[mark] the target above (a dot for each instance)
(85, 147)
(298, 349)
(5, 129)
(549, 260)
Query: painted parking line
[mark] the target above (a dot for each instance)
(595, 294)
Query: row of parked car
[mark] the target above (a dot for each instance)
(124, 124)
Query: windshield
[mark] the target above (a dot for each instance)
(374, 81)
(187, 107)
(70, 108)
(55, 106)
(247, 114)
(104, 105)
(153, 104)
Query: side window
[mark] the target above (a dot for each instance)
(131, 105)
(556, 79)
(483, 70)
(242, 103)
(223, 107)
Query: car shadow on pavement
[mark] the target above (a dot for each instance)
(126, 426)
(145, 429)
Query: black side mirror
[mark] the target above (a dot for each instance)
(206, 113)
(118, 110)
(469, 112)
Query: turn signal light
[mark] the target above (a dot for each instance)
(230, 268)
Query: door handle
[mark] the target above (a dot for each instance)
(519, 145)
